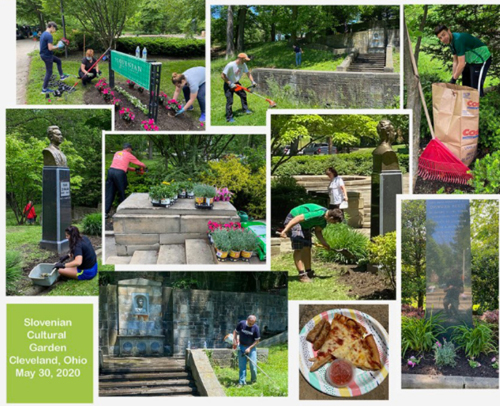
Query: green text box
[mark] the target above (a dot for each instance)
(135, 69)
(49, 353)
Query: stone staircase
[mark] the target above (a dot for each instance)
(135, 376)
(368, 63)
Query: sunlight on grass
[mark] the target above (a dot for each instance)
(276, 367)
(324, 287)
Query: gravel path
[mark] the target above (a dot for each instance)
(23, 48)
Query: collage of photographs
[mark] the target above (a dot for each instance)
(208, 198)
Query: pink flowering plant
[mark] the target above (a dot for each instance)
(413, 361)
(473, 363)
(223, 195)
(213, 225)
(130, 83)
(149, 125)
(445, 354)
(117, 103)
(108, 94)
(101, 85)
(163, 98)
(173, 105)
(494, 363)
(127, 115)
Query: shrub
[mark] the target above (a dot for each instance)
(382, 251)
(228, 172)
(486, 174)
(420, 334)
(170, 47)
(253, 195)
(14, 269)
(341, 236)
(474, 340)
(410, 311)
(445, 354)
(92, 224)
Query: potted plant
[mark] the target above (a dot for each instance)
(162, 99)
(181, 190)
(117, 103)
(130, 84)
(108, 95)
(149, 125)
(101, 85)
(173, 107)
(210, 193)
(189, 189)
(222, 243)
(204, 196)
(141, 89)
(237, 242)
(166, 195)
(155, 195)
(250, 244)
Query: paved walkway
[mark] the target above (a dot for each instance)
(23, 48)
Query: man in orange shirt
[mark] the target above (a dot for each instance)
(117, 175)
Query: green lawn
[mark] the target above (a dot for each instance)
(71, 66)
(324, 287)
(270, 55)
(276, 367)
(396, 61)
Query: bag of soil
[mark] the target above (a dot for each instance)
(456, 119)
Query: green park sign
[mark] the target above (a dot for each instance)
(136, 69)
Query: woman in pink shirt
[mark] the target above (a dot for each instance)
(116, 181)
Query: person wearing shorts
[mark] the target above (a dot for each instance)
(83, 264)
(299, 224)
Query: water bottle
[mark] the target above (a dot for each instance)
(138, 52)
(205, 345)
(144, 53)
(189, 344)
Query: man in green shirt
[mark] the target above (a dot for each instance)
(471, 57)
(298, 225)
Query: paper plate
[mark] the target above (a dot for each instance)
(364, 381)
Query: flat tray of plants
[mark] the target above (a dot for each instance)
(231, 242)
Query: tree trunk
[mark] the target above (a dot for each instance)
(414, 103)
(273, 25)
(150, 150)
(240, 41)
(229, 33)
(295, 15)
(420, 28)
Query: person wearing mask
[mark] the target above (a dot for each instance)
(192, 84)
(47, 54)
(83, 259)
(85, 72)
(116, 181)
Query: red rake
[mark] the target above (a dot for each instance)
(437, 162)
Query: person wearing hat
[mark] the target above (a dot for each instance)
(47, 48)
(116, 181)
(231, 76)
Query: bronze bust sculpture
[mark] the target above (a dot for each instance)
(384, 157)
(52, 155)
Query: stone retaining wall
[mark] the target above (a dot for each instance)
(227, 357)
(203, 374)
(337, 89)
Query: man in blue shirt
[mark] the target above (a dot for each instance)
(246, 336)
(47, 54)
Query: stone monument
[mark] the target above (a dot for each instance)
(387, 182)
(56, 195)
(448, 259)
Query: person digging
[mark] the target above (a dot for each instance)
(298, 226)
(116, 181)
(192, 84)
(471, 57)
(85, 72)
(47, 55)
(231, 76)
(246, 336)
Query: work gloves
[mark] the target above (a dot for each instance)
(64, 258)
(232, 85)
(254, 84)
(59, 265)
(60, 45)
(453, 80)
(90, 75)
(180, 112)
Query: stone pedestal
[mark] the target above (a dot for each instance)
(355, 210)
(139, 226)
(56, 208)
(385, 186)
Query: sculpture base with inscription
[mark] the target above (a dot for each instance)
(56, 208)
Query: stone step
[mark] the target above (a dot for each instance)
(162, 391)
(144, 258)
(198, 252)
(144, 383)
(150, 369)
(174, 254)
(114, 260)
(144, 376)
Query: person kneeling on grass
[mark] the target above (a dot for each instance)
(298, 225)
(192, 84)
(246, 336)
(83, 264)
(47, 54)
(85, 72)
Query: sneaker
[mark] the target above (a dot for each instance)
(191, 108)
(47, 91)
(311, 274)
(202, 117)
(64, 76)
(230, 120)
(304, 278)
(248, 111)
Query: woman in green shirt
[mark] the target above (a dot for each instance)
(298, 226)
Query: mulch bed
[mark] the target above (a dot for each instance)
(432, 186)
(366, 285)
(427, 366)
(184, 122)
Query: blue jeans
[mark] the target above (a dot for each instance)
(298, 58)
(200, 97)
(242, 363)
(48, 69)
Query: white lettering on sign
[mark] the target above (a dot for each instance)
(65, 189)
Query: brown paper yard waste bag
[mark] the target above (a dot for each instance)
(456, 119)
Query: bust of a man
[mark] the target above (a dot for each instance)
(384, 157)
(52, 155)
(140, 306)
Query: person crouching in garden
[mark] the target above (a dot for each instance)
(83, 264)
(298, 226)
(336, 190)
(192, 84)
(246, 336)
(85, 72)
